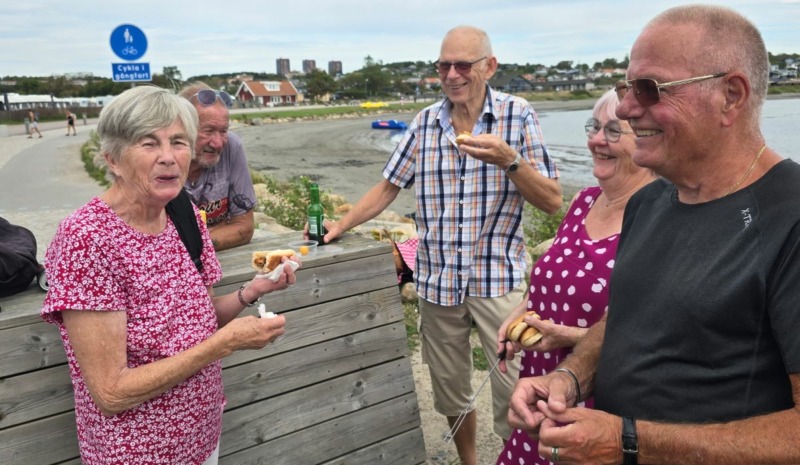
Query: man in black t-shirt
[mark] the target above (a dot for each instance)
(698, 359)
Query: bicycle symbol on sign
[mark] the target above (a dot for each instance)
(130, 50)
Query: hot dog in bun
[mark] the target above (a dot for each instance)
(519, 331)
(267, 261)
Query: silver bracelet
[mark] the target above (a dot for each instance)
(241, 298)
(575, 380)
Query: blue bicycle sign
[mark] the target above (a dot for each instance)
(128, 42)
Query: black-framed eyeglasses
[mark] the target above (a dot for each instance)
(648, 91)
(611, 130)
(462, 67)
(207, 97)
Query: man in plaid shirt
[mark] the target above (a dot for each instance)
(470, 196)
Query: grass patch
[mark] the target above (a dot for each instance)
(410, 317)
(479, 361)
(777, 90)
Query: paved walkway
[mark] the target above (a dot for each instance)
(43, 180)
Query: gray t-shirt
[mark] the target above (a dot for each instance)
(226, 189)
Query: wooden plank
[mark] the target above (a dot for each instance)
(329, 282)
(336, 438)
(50, 440)
(35, 395)
(30, 347)
(38, 345)
(268, 419)
(43, 393)
(273, 376)
(403, 449)
(236, 262)
(23, 309)
(32, 396)
(310, 325)
(49, 392)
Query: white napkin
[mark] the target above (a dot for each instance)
(262, 310)
(275, 274)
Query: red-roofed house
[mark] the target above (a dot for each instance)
(430, 82)
(267, 93)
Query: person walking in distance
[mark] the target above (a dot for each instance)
(71, 123)
(33, 118)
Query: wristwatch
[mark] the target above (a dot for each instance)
(630, 443)
(514, 166)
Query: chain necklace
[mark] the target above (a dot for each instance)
(749, 170)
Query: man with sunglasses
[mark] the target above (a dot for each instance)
(219, 180)
(698, 359)
(470, 195)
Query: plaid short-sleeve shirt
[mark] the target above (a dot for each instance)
(469, 214)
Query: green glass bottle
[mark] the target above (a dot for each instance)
(316, 231)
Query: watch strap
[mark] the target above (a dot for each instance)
(514, 166)
(243, 302)
(630, 442)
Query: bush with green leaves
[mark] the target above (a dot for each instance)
(287, 201)
(90, 154)
(539, 226)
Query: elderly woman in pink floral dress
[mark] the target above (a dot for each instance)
(143, 331)
(569, 283)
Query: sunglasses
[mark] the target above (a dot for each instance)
(612, 130)
(208, 97)
(462, 67)
(648, 91)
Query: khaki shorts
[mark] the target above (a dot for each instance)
(447, 351)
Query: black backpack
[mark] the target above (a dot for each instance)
(181, 212)
(18, 264)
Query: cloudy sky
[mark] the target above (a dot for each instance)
(44, 37)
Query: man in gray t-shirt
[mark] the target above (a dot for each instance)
(219, 179)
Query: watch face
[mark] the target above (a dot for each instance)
(513, 167)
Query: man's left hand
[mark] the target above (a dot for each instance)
(581, 435)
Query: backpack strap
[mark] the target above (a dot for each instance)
(181, 212)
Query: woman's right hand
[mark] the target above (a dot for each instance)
(252, 332)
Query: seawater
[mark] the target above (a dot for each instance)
(566, 140)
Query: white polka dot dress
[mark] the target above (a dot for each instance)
(569, 284)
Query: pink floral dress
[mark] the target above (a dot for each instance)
(96, 262)
(569, 284)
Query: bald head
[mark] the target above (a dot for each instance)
(470, 37)
(731, 43)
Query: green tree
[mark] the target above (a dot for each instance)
(564, 65)
(318, 83)
(31, 85)
(59, 86)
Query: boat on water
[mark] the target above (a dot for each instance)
(389, 124)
